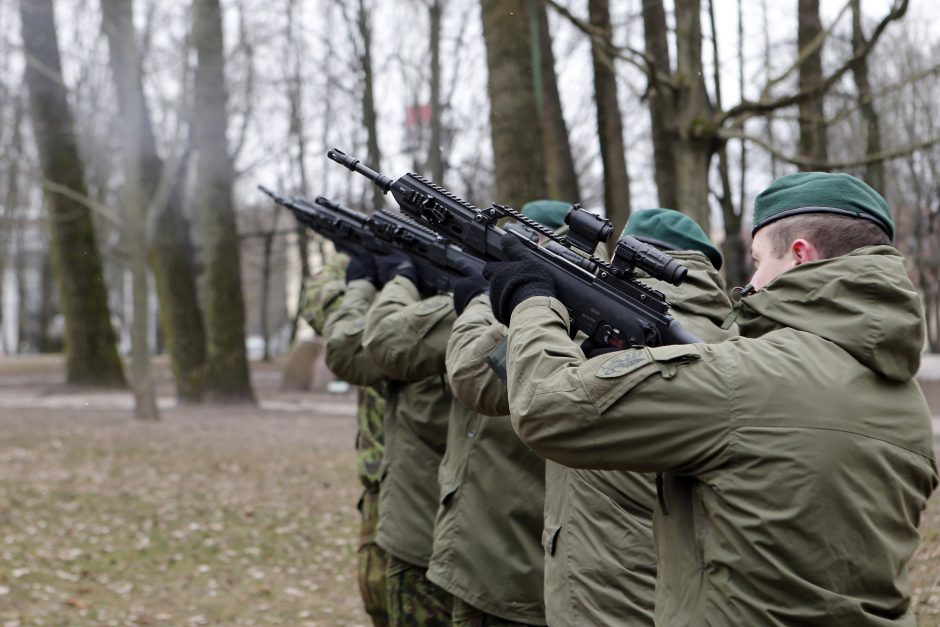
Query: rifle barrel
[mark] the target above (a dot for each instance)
(383, 182)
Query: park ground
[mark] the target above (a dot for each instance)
(212, 516)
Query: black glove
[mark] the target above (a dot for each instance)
(466, 288)
(396, 263)
(590, 348)
(517, 278)
(361, 266)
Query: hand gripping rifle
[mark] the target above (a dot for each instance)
(437, 261)
(605, 301)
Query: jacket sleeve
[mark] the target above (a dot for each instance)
(343, 331)
(476, 332)
(406, 336)
(650, 410)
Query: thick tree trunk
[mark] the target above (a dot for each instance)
(517, 142)
(662, 104)
(370, 117)
(562, 179)
(609, 121)
(696, 142)
(227, 377)
(812, 115)
(171, 250)
(90, 343)
(874, 172)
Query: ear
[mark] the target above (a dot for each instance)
(803, 251)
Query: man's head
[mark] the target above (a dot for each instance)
(668, 229)
(811, 216)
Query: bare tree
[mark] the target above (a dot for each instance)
(91, 350)
(874, 172)
(171, 251)
(562, 179)
(809, 42)
(227, 377)
(609, 120)
(517, 142)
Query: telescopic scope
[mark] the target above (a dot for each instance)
(632, 253)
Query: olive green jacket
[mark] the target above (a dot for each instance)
(324, 309)
(802, 454)
(487, 547)
(406, 338)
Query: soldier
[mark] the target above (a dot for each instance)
(802, 453)
(600, 563)
(323, 297)
(405, 337)
(487, 536)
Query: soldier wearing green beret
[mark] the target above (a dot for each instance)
(801, 455)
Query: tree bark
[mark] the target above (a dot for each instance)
(813, 143)
(609, 121)
(562, 179)
(517, 142)
(435, 163)
(170, 247)
(90, 343)
(227, 377)
(696, 142)
(874, 172)
(662, 104)
(127, 80)
(370, 117)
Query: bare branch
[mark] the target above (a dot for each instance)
(762, 107)
(634, 57)
(878, 157)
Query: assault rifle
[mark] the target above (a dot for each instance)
(437, 261)
(605, 300)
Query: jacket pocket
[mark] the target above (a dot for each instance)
(550, 539)
(614, 377)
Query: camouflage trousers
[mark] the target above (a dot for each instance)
(465, 615)
(413, 601)
(373, 562)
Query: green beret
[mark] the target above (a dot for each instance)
(821, 192)
(670, 230)
(550, 213)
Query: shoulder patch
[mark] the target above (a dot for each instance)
(430, 305)
(356, 327)
(622, 363)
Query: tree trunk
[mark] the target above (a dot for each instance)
(562, 179)
(370, 117)
(435, 164)
(662, 104)
(812, 116)
(171, 251)
(517, 143)
(90, 343)
(696, 143)
(609, 121)
(227, 377)
(127, 81)
(874, 172)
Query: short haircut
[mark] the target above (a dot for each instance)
(831, 235)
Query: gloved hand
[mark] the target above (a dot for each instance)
(590, 348)
(517, 278)
(362, 266)
(396, 263)
(466, 288)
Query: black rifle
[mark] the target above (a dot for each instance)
(437, 261)
(605, 301)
